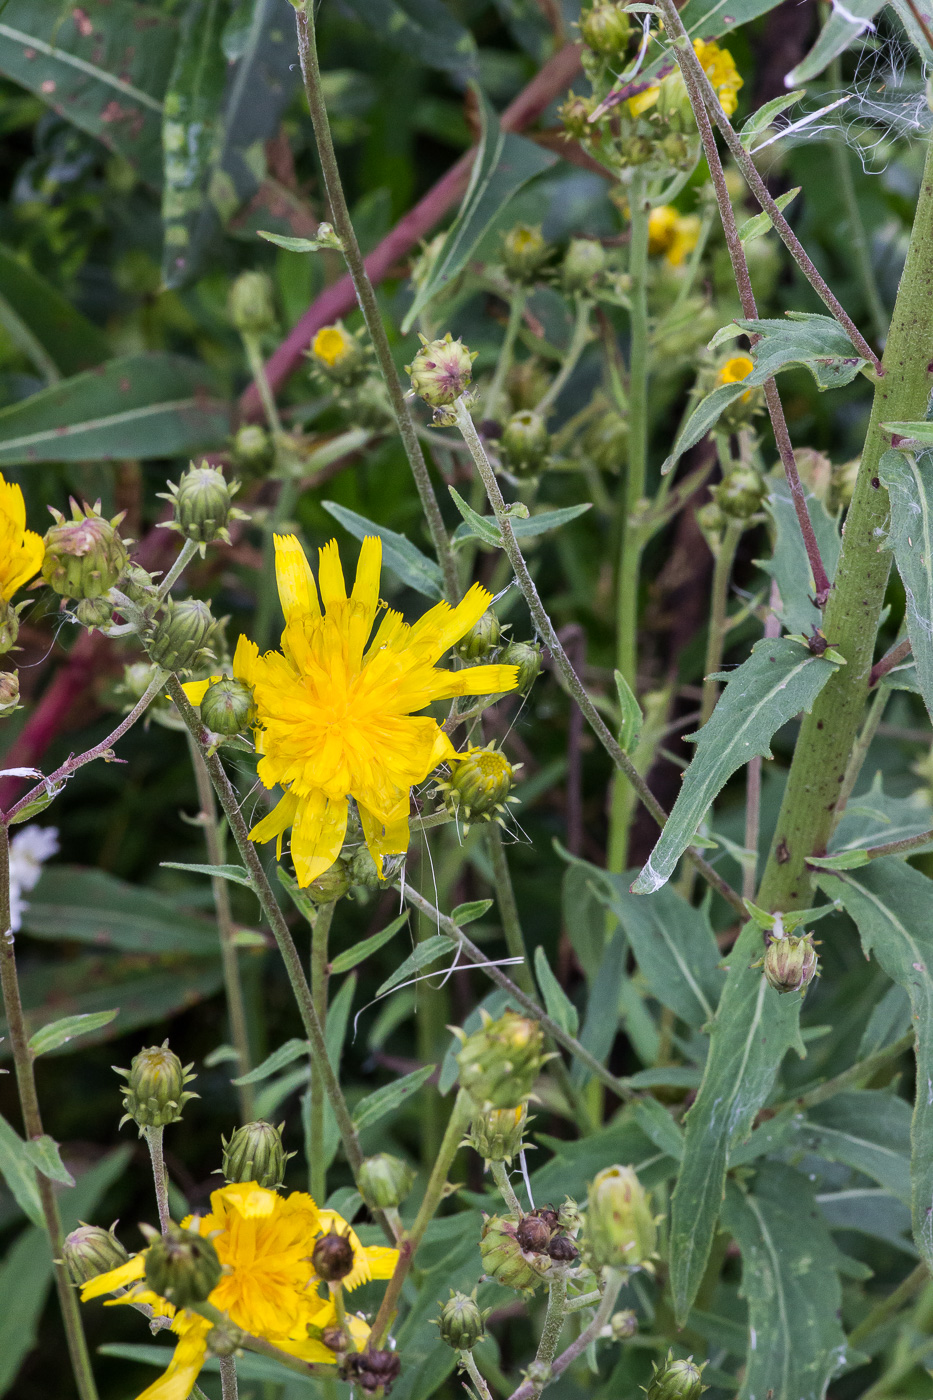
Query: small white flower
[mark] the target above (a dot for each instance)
(29, 849)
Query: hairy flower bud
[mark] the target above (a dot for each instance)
(182, 1266)
(791, 963)
(252, 309)
(384, 1181)
(505, 1260)
(461, 1322)
(497, 1135)
(178, 639)
(500, 1062)
(94, 612)
(676, 1380)
(90, 1250)
(523, 252)
(361, 869)
(255, 1153)
(482, 638)
(374, 1370)
(84, 556)
(333, 884)
(605, 28)
(584, 263)
(332, 1257)
(479, 784)
(441, 370)
(252, 447)
(525, 443)
(9, 692)
(227, 706)
(620, 1229)
(740, 494)
(9, 627)
(154, 1093)
(527, 657)
(202, 504)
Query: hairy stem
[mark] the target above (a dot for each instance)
(153, 1138)
(553, 1324)
(612, 1285)
(228, 1385)
(500, 1176)
(631, 538)
(469, 1365)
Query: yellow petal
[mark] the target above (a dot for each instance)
(643, 100)
(277, 821)
(317, 834)
(250, 1201)
(120, 1277)
(245, 659)
(443, 750)
(381, 1260)
(443, 625)
(477, 680)
(330, 575)
(195, 690)
(297, 591)
(368, 570)
(185, 1365)
(389, 836)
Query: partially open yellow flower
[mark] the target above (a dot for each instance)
(736, 369)
(332, 344)
(21, 550)
(719, 66)
(673, 234)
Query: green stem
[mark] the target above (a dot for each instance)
(718, 617)
(579, 340)
(553, 1324)
(187, 552)
(508, 908)
(828, 733)
(888, 1306)
(469, 1365)
(233, 987)
(583, 1300)
(153, 1138)
(32, 1123)
(501, 1177)
(228, 1385)
(319, 977)
(632, 543)
(655, 705)
(507, 350)
(613, 1283)
(307, 52)
(257, 369)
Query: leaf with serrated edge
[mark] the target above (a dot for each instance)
(285, 1054)
(398, 553)
(384, 1101)
(789, 565)
(909, 482)
(778, 680)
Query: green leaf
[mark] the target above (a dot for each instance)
(398, 553)
(58, 1033)
(632, 715)
(522, 528)
(237, 874)
(504, 163)
(285, 1054)
(846, 860)
(468, 913)
(69, 340)
(674, 946)
(343, 962)
(909, 482)
(761, 119)
(789, 565)
(657, 1124)
(868, 1130)
(106, 72)
(778, 680)
(90, 906)
(574, 1164)
(260, 1370)
(294, 245)
(479, 527)
(761, 223)
(19, 1174)
(384, 1101)
(843, 28)
(914, 434)
(601, 1021)
(424, 954)
(790, 1277)
(874, 817)
(423, 29)
(753, 1029)
(817, 342)
(145, 405)
(556, 1001)
(707, 19)
(889, 902)
(44, 1154)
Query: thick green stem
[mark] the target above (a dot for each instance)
(630, 535)
(319, 977)
(828, 734)
(500, 1176)
(553, 1325)
(469, 1365)
(32, 1123)
(718, 616)
(307, 51)
(153, 1138)
(233, 987)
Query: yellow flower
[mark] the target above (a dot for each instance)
(675, 235)
(334, 719)
(736, 369)
(21, 550)
(719, 67)
(269, 1287)
(332, 344)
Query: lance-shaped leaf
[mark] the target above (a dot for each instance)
(398, 553)
(845, 25)
(817, 342)
(30, 307)
(504, 163)
(889, 902)
(753, 1029)
(778, 680)
(868, 1130)
(789, 565)
(909, 481)
(423, 29)
(523, 528)
(790, 1277)
(148, 405)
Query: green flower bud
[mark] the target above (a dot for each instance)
(676, 1380)
(252, 447)
(527, 657)
(223, 1339)
(584, 264)
(252, 309)
(138, 585)
(367, 404)
(740, 494)
(441, 370)
(623, 1325)
(482, 638)
(89, 1251)
(384, 1181)
(9, 627)
(154, 1093)
(227, 706)
(182, 1266)
(374, 1371)
(497, 1134)
(620, 1229)
(201, 502)
(94, 612)
(605, 28)
(9, 692)
(575, 116)
(500, 1062)
(84, 556)
(332, 1257)
(479, 785)
(527, 383)
(711, 518)
(461, 1322)
(791, 963)
(605, 441)
(525, 443)
(255, 1153)
(523, 252)
(335, 882)
(505, 1260)
(178, 638)
(673, 100)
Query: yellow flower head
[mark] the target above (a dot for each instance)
(269, 1287)
(335, 718)
(21, 550)
(332, 344)
(675, 235)
(719, 67)
(736, 369)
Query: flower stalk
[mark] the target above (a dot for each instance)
(153, 1136)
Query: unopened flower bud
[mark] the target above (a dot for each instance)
(605, 28)
(227, 706)
(711, 518)
(605, 441)
(500, 1062)
(178, 638)
(333, 884)
(740, 494)
(584, 264)
(539, 1374)
(202, 504)
(138, 585)
(791, 963)
(252, 447)
(533, 1233)
(482, 638)
(676, 1380)
(497, 1135)
(182, 1266)
(525, 443)
(154, 1093)
(334, 1338)
(441, 370)
(90, 1250)
(674, 100)
(623, 1325)
(332, 1257)
(527, 383)
(562, 1250)
(94, 612)
(223, 1339)
(505, 1260)
(479, 784)
(9, 627)
(461, 1322)
(575, 117)
(620, 1229)
(523, 252)
(362, 869)
(374, 1370)
(255, 1153)
(337, 353)
(527, 657)
(384, 1181)
(252, 309)
(84, 556)
(9, 692)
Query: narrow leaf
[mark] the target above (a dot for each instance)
(71, 341)
(424, 954)
(919, 434)
(761, 223)
(480, 527)
(294, 245)
(844, 26)
(601, 1021)
(237, 874)
(398, 553)
(656, 1123)
(285, 1054)
(45, 1156)
(789, 565)
(58, 1033)
(522, 528)
(470, 912)
(909, 482)
(90, 906)
(19, 1174)
(384, 1101)
(846, 860)
(423, 29)
(343, 962)
(868, 1130)
(761, 119)
(556, 1001)
(632, 715)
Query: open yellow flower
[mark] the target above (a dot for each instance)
(335, 718)
(21, 550)
(269, 1287)
(719, 67)
(673, 234)
(736, 369)
(332, 344)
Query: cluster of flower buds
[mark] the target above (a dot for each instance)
(479, 785)
(375, 1372)
(506, 1261)
(155, 1094)
(676, 1380)
(500, 1062)
(84, 558)
(202, 505)
(462, 1322)
(545, 1231)
(181, 1265)
(621, 1232)
(90, 1250)
(255, 1152)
